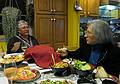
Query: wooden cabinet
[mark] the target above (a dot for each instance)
(51, 22)
(60, 31)
(51, 30)
(90, 7)
(51, 6)
(104, 2)
(43, 29)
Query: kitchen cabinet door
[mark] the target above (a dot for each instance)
(43, 31)
(93, 7)
(51, 30)
(43, 6)
(83, 6)
(59, 7)
(59, 31)
(50, 22)
(104, 2)
(51, 6)
(89, 7)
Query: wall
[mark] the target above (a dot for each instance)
(3, 43)
(73, 26)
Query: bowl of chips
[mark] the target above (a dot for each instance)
(61, 69)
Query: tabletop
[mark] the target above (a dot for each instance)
(46, 74)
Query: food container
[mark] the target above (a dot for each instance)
(82, 73)
(61, 69)
(8, 60)
(85, 81)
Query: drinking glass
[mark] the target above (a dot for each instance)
(2, 52)
(10, 71)
(24, 47)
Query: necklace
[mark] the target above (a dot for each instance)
(26, 41)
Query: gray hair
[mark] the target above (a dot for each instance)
(102, 31)
(22, 22)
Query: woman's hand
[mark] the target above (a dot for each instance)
(62, 51)
(16, 46)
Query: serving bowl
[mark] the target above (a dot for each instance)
(61, 69)
(85, 81)
(82, 68)
(82, 72)
(9, 60)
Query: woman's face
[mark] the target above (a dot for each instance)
(90, 35)
(24, 30)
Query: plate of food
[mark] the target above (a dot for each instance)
(7, 59)
(24, 75)
(56, 81)
(82, 68)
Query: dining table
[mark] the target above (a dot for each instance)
(44, 74)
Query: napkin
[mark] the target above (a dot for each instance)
(4, 80)
(43, 55)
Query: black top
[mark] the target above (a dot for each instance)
(109, 57)
(32, 42)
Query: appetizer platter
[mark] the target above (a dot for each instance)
(56, 81)
(22, 75)
(7, 59)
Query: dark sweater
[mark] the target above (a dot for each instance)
(15, 39)
(109, 57)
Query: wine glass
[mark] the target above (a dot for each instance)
(24, 47)
(2, 52)
(10, 71)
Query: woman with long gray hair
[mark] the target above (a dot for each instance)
(99, 49)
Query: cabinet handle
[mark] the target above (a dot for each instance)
(54, 19)
(54, 10)
(51, 19)
(88, 13)
(51, 10)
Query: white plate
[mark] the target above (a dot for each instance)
(13, 54)
(4, 80)
(45, 70)
(58, 79)
(34, 66)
